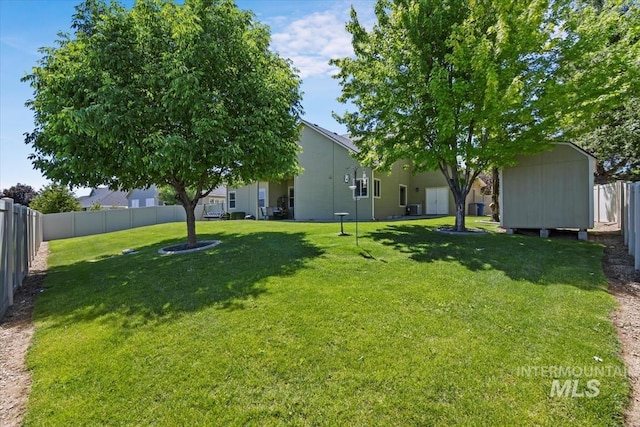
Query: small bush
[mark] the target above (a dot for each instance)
(237, 215)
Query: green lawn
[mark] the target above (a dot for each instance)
(290, 324)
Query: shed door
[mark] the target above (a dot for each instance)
(437, 201)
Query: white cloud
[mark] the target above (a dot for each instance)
(312, 40)
(19, 44)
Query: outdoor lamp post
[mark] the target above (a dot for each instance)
(353, 187)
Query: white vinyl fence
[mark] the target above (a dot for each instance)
(20, 238)
(74, 224)
(608, 202)
(619, 203)
(631, 219)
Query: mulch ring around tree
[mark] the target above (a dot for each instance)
(183, 248)
(467, 232)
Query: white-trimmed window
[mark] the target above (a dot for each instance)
(403, 195)
(291, 194)
(376, 188)
(262, 195)
(362, 188)
(150, 202)
(135, 203)
(232, 199)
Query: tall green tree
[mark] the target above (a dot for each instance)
(55, 198)
(20, 193)
(186, 96)
(604, 53)
(460, 86)
(600, 67)
(616, 143)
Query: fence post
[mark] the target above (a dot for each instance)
(627, 207)
(18, 244)
(636, 220)
(596, 190)
(632, 212)
(619, 203)
(10, 256)
(24, 226)
(5, 245)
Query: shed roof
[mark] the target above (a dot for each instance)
(578, 148)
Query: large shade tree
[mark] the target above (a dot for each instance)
(604, 52)
(20, 193)
(181, 95)
(458, 86)
(616, 143)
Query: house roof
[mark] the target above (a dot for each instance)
(341, 140)
(104, 196)
(220, 191)
(151, 190)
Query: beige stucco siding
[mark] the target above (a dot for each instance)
(246, 199)
(553, 189)
(320, 190)
(424, 180)
(388, 205)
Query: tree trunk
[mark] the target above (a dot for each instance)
(189, 206)
(191, 225)
(460, 217)
(495, 195)
(459, 184)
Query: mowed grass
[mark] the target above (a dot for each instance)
(289, 324)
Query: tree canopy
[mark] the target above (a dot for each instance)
(55, 198)
(608, 35)
(616, 143)
(187, 96)
(20, 193)
(462, 86)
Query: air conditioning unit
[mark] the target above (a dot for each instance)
(415, 209)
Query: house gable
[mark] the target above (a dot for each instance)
(321, 190)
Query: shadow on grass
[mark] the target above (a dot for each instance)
(147, 287)
(540, 261)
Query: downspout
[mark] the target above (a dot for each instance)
(373, 198)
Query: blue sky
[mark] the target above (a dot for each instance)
(310, 32)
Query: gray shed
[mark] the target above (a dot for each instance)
(549, 190)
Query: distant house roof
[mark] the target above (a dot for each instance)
(105, 196)
(143, 192)
(219, 191)
(341, 140)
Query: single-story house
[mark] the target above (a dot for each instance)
(105, 197)
(323, 187)
(213, 205)
(549, 190)
(218, 196)
(143, 197)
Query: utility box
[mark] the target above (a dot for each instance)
(415, 209)
(473, 209)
